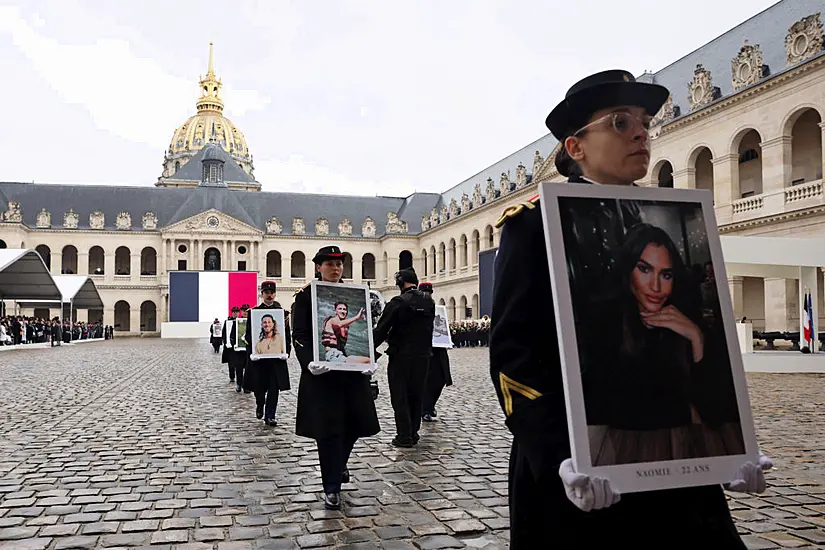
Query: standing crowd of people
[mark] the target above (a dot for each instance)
(337, 407)
(471, 332)
(16, 330)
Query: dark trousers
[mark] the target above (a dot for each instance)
(237, 362)
(432, 388)
(406, 377)
(216, 345)
(266, 392)
(231, 371)
(333, 453)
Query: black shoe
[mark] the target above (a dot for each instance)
(398, 442)
(433, 413)
(259, 412)
(427, 417)
(345, 476)
(270, 422)
(332, 501)
(238, 389)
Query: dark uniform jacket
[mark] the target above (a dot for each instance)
(526, 372)
(225, 352)
(334, 403)
(278, 366)
(407, 325)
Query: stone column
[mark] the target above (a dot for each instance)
(82, 262)
(191, 261)
(134, 318)
(232, 245)
(822, 149)
(737, 294)
(779, 297)
(725, 185)
(685, 179)
(286, 266)
(777, 171)
(109, 265)
(109, 315)
(134, 267)
(357, 270)
(162, 265)
(57, 263)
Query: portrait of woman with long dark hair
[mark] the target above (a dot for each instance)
(667, 393)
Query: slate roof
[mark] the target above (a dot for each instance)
(767, 29)
(172, 205)
(232, 171)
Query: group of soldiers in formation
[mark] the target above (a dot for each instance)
(337, 407)
(470, 332)
(18, 330)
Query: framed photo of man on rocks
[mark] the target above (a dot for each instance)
(268, 332)
(441, 328)
(240, 334)
(342, 326)
(655, 387)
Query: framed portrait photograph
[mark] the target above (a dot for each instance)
(229, 324)
(342, 326)
(441, 329)
(268, 331)
(655, 387)
(240, 334)
(216, 331)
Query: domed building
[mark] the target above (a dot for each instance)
(208, 125)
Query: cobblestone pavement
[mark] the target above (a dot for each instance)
(135, 443)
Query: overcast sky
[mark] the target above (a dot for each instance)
(346, 96)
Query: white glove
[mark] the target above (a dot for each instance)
(750, 478)
(316, 369)
(585, 492)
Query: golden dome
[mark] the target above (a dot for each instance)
(207, 125)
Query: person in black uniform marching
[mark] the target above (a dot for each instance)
(407, 325)
(438, 373)
(269, 376)
(335, 408)
(215, 331)
(226, 354)
(602, 126)
(237, 358)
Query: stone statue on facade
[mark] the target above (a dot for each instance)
(44, 219)
(804, 39)
(433, 217)
(521, 176)
(150, 221)
(444, 215)
(491, 189)
(345, 228)
(273, 226)
(425, 222)
(71, 219)
(465, 203)
(504, 184)
(665, 113)
(538, 160)
(123, 221)
(13, 214)
(701, 90)
(453, 208)
(298, 227)
(746, 68)
(368, 227)
(96, 220)
(322, 226)
(478, 198)
(394, 224)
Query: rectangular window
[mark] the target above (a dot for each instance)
(181, 265)
(241, 266)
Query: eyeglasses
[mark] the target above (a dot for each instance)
(623, 123)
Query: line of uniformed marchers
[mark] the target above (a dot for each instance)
(336, 407)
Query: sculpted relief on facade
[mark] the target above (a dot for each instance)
(368, 228)
(97, 220)
(665, 114)
(491, 190)
(123, 221)
(453, 208)
(395, 225)
(44, 219)
(804, 39)
(298, 227)
(345, 228)
(273, 226)
(322, 226)
(444, 214)
(504, 184)
(478, 198)
(746, 68)
(521, 176)
(425, 223)
(70, 219)
(701, 90)
(149, 221)
(537, 162)
(13, 214)
(433, 217)
(465, 203)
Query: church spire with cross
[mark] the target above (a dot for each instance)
(210, 88)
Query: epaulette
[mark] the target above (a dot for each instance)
(302, 288)
(516, 209)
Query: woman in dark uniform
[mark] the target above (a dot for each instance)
(335, 408)
(603, 126)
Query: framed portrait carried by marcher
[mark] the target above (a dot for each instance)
(240, 334)
(229, 324)
(216, 331)
(268, 332)
(655, 387)
(342, 326)
(441, 328)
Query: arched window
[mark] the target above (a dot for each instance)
(45, 253)
(212, 259)
(664, 177)
(490, 239)
(462, 251)
(273, 263)
(750, 164)
(405, 259)
(148, 317)
(123, 260)
(347, 266)
(806, 152)
(368, 267)
(298, 265)
(69, 259)
(96, 261)
(452, 264)
(424, 262)
(122, 316)
(148, 261)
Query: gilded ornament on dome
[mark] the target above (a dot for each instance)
(13, 213)
(322, 226)
(298, 227)
(345, 228)
(395, 224)
(273, 226)
(521, 176)
(149, 221)
(478, 198)
(123, 221)
(804, 39)
(71, 219)
(44, 219)
(96, 220)
(465, 203)
(368, 228)
(746, 68)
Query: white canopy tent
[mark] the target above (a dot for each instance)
(78, 290)
(24, 276)
(780, 257)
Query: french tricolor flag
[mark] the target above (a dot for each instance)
(203, 296)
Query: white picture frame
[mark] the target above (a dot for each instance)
(361, 355)
(216, 331)
(587, 442)
(256, 317)
(229, 324)
(240, 334)
(441, 328)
